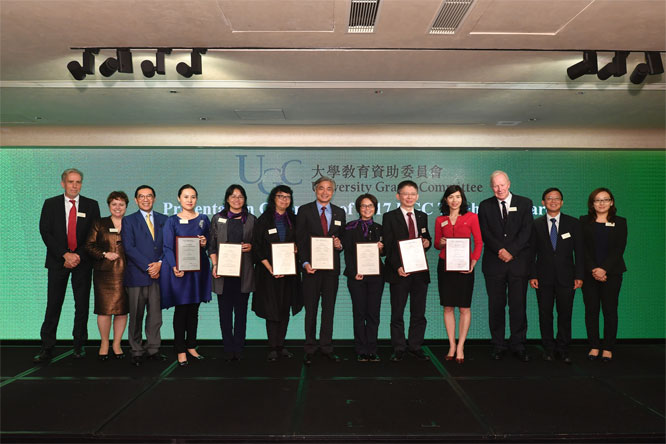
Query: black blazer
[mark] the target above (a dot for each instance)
(514, 236)
(557, 267)
(53, 228)
(308, 224)
(617, 242)
(354, 236)
(395, 229)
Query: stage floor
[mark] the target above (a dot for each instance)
(253, 400)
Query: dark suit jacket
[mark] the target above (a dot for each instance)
(617, 242)
(308, 224)
(140, 248)
(218, 235)
(395, 229)
(557, 267)
(53, 228)
(354, 236)
(514, 237)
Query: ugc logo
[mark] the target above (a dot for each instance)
(269, 177)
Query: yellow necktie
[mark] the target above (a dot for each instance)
(150, 226)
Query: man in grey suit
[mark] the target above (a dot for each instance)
(142, 240)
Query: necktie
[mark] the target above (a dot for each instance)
(553, 233)
(411, 227)
(150, 226)
(505, 215)
(71, 227)
(324, 222)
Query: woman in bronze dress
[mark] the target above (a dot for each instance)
(105, 246)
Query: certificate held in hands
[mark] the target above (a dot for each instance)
(321, 253)
(458, 251)
(229, 260)
(188, 254)
(367, 258)
(413, 255)
(284, 259)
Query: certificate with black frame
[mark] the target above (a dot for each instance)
(413, 255)
(458, 251)
(284, 259)
(321, 253)
(188, 253)
(367, 258)
(229, 257)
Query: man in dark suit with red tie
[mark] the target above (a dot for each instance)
(556, 272)
(320, 219)
(506, 228)
(64, 225)
(401, 224)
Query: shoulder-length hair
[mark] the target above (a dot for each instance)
(444, 205)
(270, 202)
(612, 211)
(230, 191)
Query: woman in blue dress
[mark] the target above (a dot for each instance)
(185, 290)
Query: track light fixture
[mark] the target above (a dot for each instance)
(124, 57)
(149, 69)
(652, 66)
(79, 71)
(587, 66)
(186, 70)
(617, 67)
(109, 67)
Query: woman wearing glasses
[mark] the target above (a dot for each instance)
(605, 236)
(275, 294)
(233, 225)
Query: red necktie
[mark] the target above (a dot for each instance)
(71, 227)
(412, 229)
(324, 222)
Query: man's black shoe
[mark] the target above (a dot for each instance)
(398, 355)
(548, 356)
(79, 353)
(43, 357)
(564, 357)
(522, 356)
(136, 361)
(307, 359)
(418, 354)
(157, 357)
(332, 357)
(497, 354)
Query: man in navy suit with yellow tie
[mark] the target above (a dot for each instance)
(142, 240)
(556, 272)
(64, 225)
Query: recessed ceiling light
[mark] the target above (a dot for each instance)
(533, 119)
(173, 91)
(508, 122)
(203, 118)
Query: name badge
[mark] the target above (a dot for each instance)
(113, 230)
(511, 209)
(272, 231)
(183, 221)
(445, 223)
(222, 221)
(84, 215)
(610, 224)
(423, 230)
(337, 222)
(566, 235)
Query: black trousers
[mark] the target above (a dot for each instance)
(604, 294)
(185, 322)
(321, 285)
(277, 331)
(415, 289)
(56, 289)
(500, 289)
(366, 296)
(549, 296)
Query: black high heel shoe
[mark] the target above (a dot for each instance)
(103, 357)
(119, 355)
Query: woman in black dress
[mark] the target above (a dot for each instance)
(275, 295)
(605, 236)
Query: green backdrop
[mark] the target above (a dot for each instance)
(30, 175)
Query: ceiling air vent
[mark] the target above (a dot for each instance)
(450, 16)
(362, 16)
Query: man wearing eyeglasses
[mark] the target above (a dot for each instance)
(556, 272)
(142, 240)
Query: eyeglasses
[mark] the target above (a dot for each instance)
(145, 196)
(363, 206)
(598, 201)
(553, 199)
(282, 196)
(236, 196)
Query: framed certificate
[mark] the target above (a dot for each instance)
(284, 259)
(321, 253)
(413, 255)
(229, 260)
(188, 253)
(458, 251)
(367, 258)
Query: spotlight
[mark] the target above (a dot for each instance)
(639, 74)
(653, 60)
(185, 70)
(149, 69)
(109, 66)
(124, 57)
(617, 67)
(79, 71)
(587, 66)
